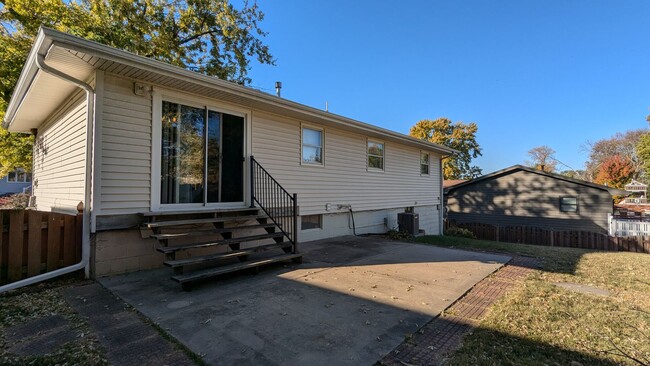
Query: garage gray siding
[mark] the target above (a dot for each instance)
(527, 198)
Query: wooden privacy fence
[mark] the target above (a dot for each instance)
(35, 242)
(571, 239)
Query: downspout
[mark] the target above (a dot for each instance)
(85, 241)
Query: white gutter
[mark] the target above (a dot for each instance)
(85, 237)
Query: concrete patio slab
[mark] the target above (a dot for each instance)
(351, 302)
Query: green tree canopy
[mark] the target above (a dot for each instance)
(458, 136)
(207, 36)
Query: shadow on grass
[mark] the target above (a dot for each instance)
(552, 259)
(487, 345)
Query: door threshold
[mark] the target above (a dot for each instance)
(199, 211)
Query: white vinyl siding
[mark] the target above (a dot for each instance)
(344, 179)
(59, 153)
(125, 148)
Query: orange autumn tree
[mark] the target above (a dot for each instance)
(615, 171)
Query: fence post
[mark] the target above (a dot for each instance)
(34, 235)
(552, 235)
(15, 249)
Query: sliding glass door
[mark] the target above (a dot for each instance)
(202, 156)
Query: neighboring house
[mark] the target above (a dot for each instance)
(522, 196)
(638, 194)
(17, 181)
(141, 148)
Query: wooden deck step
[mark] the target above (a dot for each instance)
(225, 255)
(210, 231)
(209, 220)
(198, 212)
(211, 272)
(213, 243)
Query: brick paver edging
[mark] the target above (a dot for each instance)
(127, 339)
(435, 341)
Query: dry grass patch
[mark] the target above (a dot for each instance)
(39, 301)
(540, 323)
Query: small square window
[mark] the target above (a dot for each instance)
(312, 146)
(311, 222)
(424, 163)
(568, 204)
(11, 177)
(375, 155)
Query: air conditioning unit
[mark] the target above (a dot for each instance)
(409, 222)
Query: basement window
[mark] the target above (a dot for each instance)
(568, 204)
(311, 222)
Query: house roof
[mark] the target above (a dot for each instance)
(516, 168)
(451, 182)
(37, 94)
(635, 185)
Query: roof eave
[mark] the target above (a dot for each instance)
(42, 43)
(612, 191)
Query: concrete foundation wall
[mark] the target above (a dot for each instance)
(366, 222)
(121, 251)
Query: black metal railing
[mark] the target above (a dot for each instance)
(278, 204)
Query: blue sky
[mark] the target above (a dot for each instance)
(529, 73)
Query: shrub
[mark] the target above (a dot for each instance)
(460, 232)
(399, 235)
(17, 201)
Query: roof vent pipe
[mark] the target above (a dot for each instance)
(278, 86)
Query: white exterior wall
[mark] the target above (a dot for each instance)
(59, 152)
(125, 163)
(124, 166)
(343, 178)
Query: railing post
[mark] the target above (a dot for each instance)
(252, 181)
(295, 223)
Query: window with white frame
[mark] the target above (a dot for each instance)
(424, 163)
(312, 146)
(19, 176)
(375, 155)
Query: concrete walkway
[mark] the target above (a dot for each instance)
(351, 302)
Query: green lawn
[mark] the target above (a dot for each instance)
(539, 323)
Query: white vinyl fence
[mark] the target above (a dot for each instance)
(628, 227)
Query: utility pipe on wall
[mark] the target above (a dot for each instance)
(90, 129)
